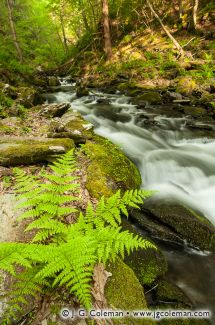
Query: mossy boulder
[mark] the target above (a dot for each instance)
(54, 110)
(72, 125)
(170, 295)
(195, 112)
(40, 81)
(154, 227)
(26, 151)
(123, 291)
(10, 91)
(147, 264)
(151, 97)
(81, 91)
(192, 227)
(53, 81)
(109, 169)
(186, 85)
(28, 97)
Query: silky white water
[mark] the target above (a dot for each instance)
(170, 158)
(173, 160)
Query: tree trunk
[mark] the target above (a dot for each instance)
(13, 31)
(106, 26)
(181, 12)
(63, 31)
(195, 9)
(177, 45)
(86, 25)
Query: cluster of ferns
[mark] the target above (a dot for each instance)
(61, 253)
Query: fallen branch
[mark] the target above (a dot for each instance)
(189, 42)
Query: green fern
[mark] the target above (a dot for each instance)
(47, 199)
(95, 237)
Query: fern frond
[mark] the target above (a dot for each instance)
(70, 252)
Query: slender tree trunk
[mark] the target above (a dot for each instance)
(180, 9)
(181, 12)
(195, 9)
(93, 13)
(84, 16)
(177, 45)
(13, 31)
(63, 31)
(106, 26)
(87, 27)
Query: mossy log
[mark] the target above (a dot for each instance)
(26, 151)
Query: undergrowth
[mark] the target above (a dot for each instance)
(61, 253)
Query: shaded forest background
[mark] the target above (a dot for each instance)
(44, 34)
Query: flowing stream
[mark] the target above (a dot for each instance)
(173, 159)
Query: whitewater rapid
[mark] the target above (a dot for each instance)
(172, 159)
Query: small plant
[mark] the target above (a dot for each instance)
(26, 129)
(64, 254)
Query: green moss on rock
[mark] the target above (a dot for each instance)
(195, 111)
(24, 151)
(109, 169)
(123, 291)
(148, 265)
(196, 229)
(72, 125)
(151, 97)
(28, 97)
(186, 86)
(169, 293)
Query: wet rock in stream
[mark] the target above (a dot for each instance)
(185, 223)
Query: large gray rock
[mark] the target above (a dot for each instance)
(25, 151)
(8, 217)
(28, 97)
(73, 126)
(54, 110)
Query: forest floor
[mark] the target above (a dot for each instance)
(148, 58)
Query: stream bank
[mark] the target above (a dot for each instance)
(163, 141)
(117, 117)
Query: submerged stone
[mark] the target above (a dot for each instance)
(81, 91)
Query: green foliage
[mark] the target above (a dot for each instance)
(46, 201)
(65, 254)
(5, 101)
(37, 35)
